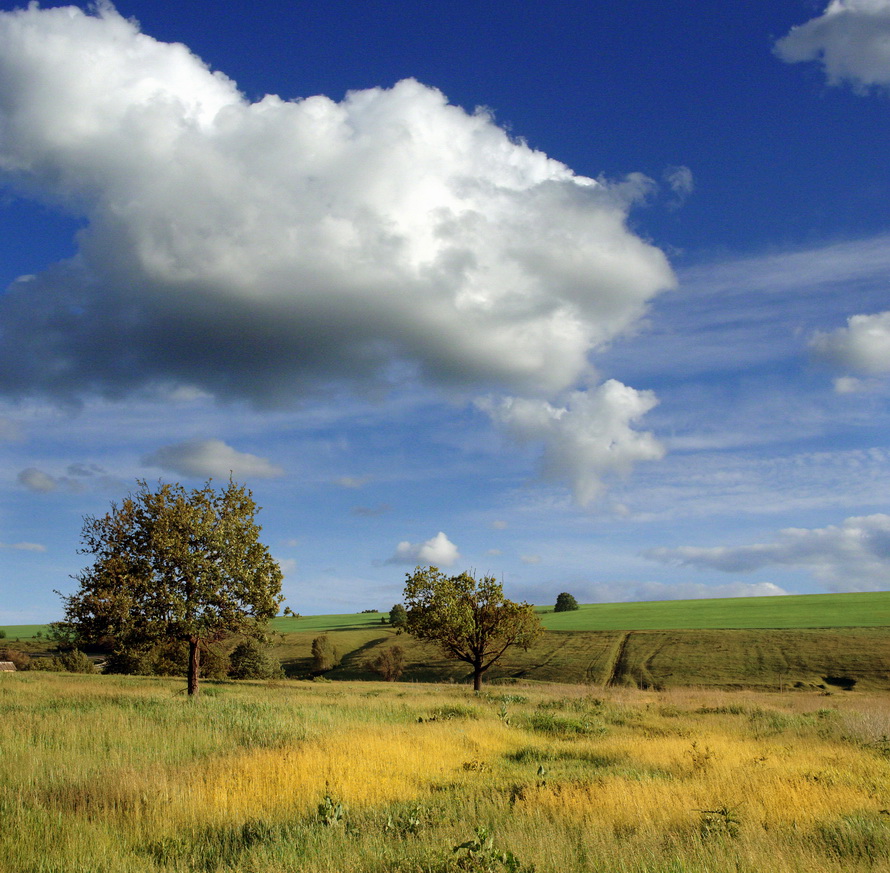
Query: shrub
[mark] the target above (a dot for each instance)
(390, 663)
(21, 660)
(324, 655)
(74, 661)
(2, 634)
(398, 616)
(249, 661)
(565, 603)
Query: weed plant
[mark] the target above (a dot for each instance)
(102, 774)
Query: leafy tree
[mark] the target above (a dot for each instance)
(324, 656)
(390, 663)
(250, 661)
(470, 619)
(398, 617)
(565, 603)
(174, 565)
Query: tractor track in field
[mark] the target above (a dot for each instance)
(616, 668)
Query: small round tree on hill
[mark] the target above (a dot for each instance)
(565, 603)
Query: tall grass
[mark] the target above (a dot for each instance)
(112, 774)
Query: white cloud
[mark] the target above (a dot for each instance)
(352, 481)
(585, 441)
(851, 39)
(260, 250)
(36, 480)
(862, 346)
(530, 559)
(438, 552)
(24, 547)
(211, 458)
(499, 524)
(681, 183)
(853, 556)
(624, 592)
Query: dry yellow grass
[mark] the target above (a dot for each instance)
(108, 775)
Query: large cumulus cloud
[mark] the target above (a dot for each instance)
(262, 250)
(851, 38)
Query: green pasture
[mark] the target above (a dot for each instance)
(871, 609)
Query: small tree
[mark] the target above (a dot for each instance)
(398, 617)
(390, 663)
(470, 619)
(175, 565)
(565, 603)
(324, 655)
(249, 661)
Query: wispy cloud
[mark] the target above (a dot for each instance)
(24, 547)
(852, 556)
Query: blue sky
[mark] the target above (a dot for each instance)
(591, 297)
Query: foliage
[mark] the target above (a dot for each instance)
(21, 660)
(470, 619)
(390, 663)
(2, 634)
(324, 654)
(565, 602)
(249, 660)
(331, 812)
(398, 616)
(174, 564)
(480, 855)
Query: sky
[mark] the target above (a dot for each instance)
(590, 297)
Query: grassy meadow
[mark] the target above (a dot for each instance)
(102, 774)
(869, 609)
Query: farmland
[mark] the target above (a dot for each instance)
(113, 774)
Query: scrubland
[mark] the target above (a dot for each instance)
(106, 774)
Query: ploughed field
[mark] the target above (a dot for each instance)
(111, 774)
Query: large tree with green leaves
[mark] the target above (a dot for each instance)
(170, 563)
(469, 618)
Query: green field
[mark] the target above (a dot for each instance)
(871, 609)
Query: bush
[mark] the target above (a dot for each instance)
(390, 663)
(21, 660)
(2, 634)
(169, 658)
(75, 661)
(565, 603)
(398, 616)
(324, 656)
(249, 661)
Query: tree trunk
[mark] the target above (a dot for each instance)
(194, 667)
(477, 677)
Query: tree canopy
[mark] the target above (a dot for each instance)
(469, 618)
(565, 602)
(175, 564)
